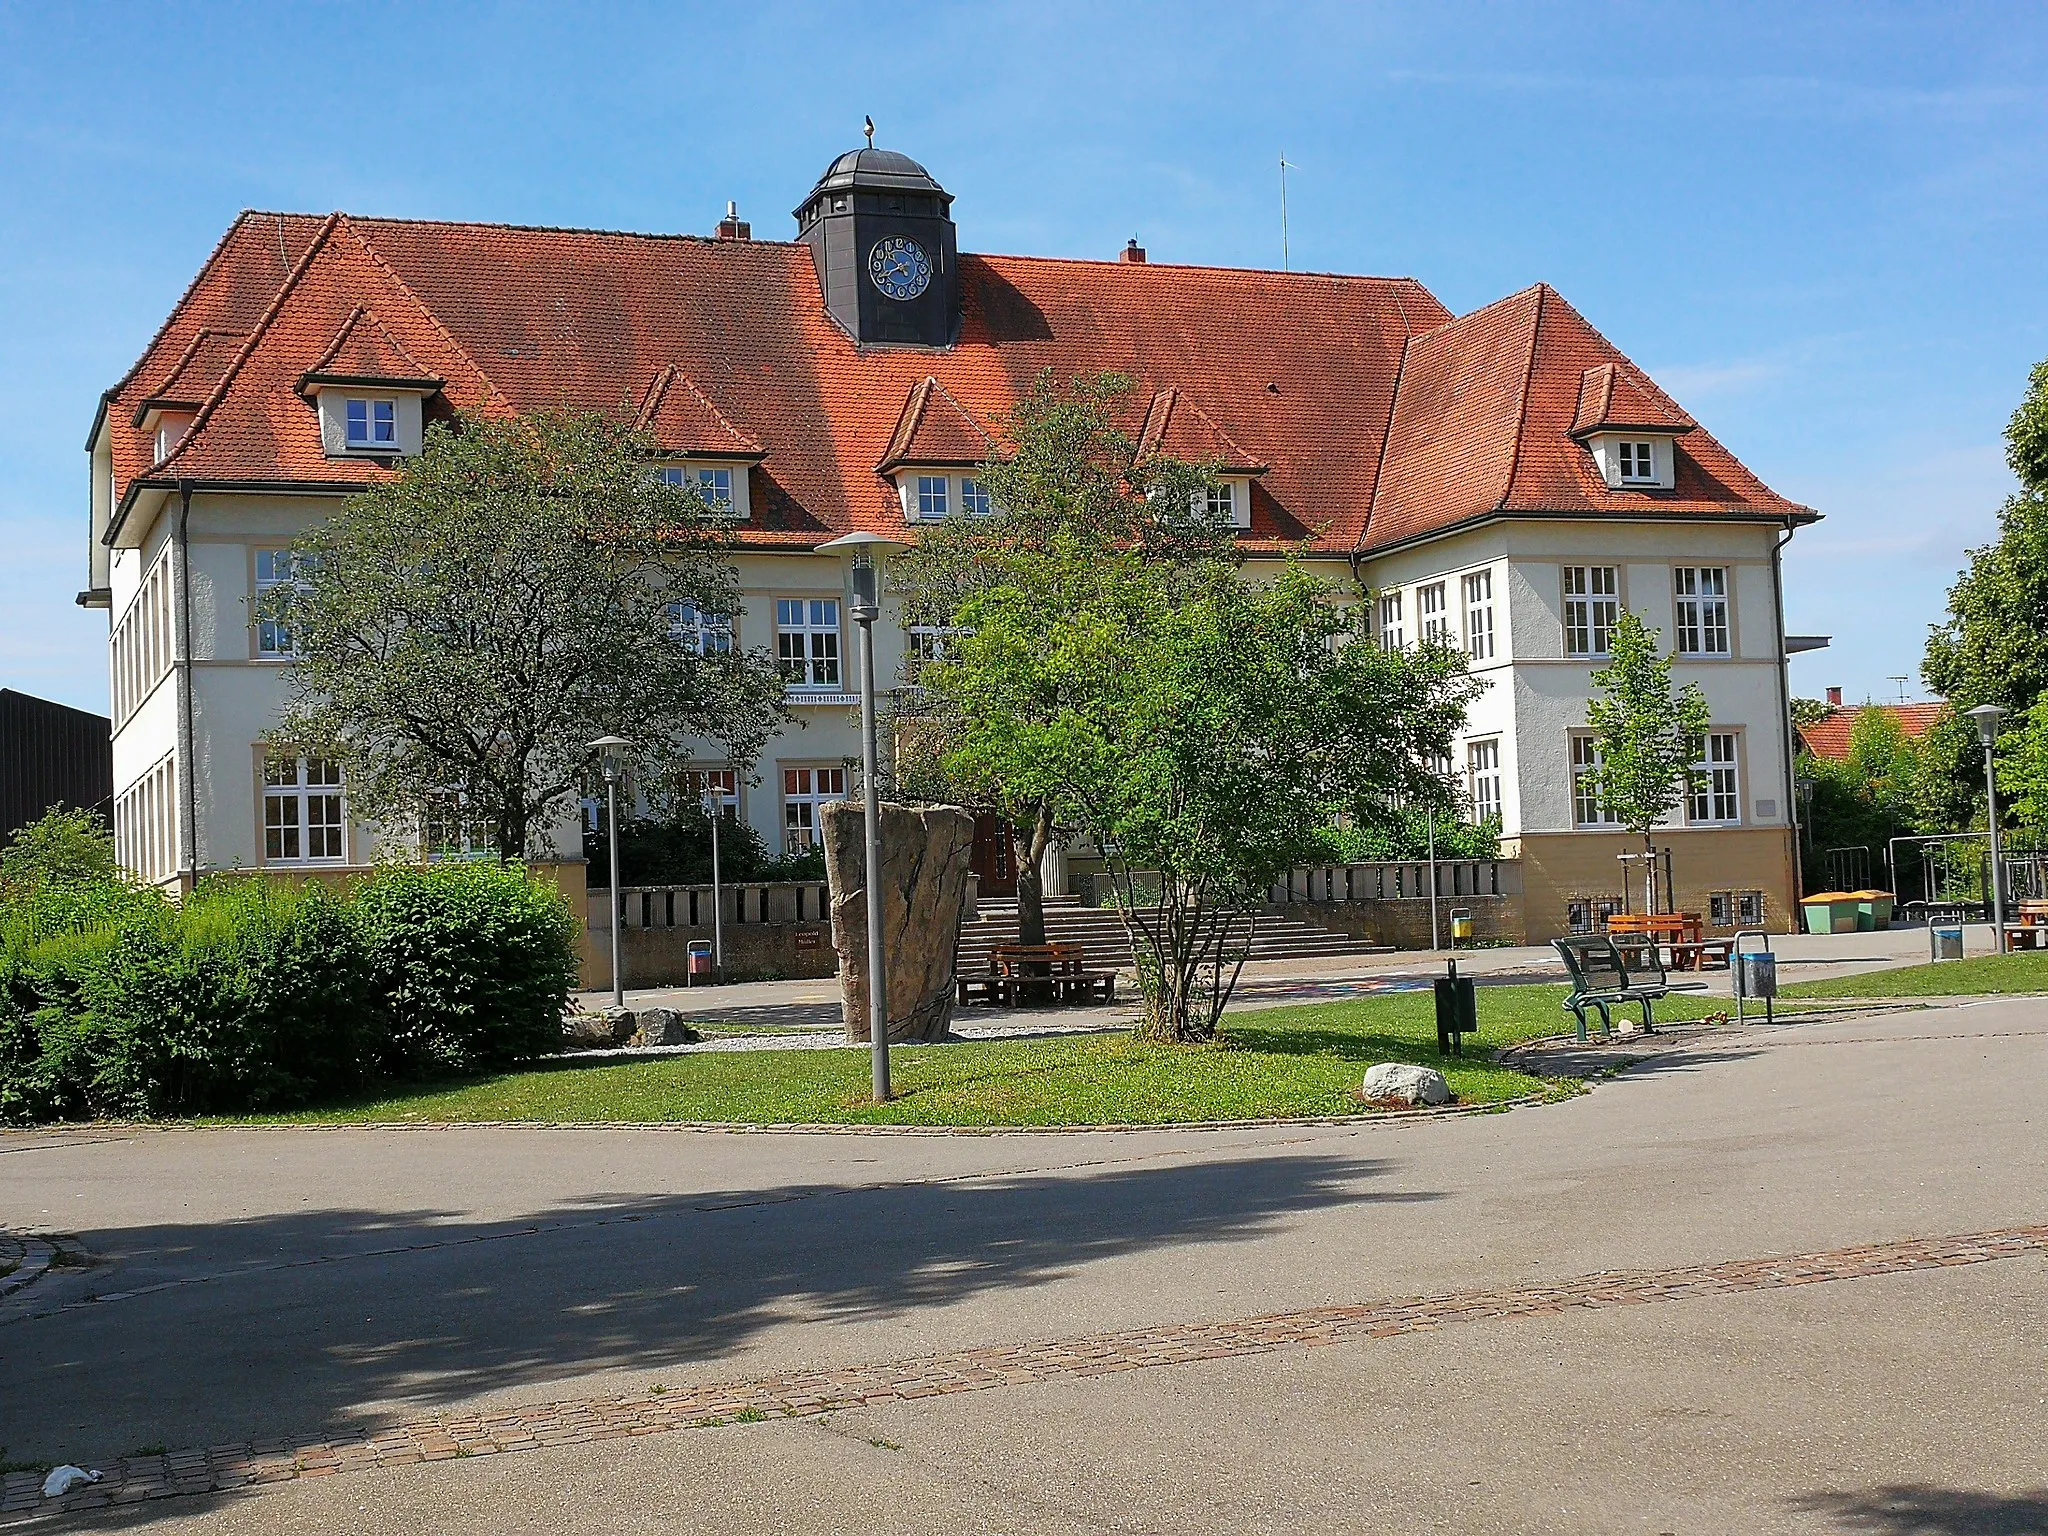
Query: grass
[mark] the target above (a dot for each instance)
(1980, 976)
(1305, 1060)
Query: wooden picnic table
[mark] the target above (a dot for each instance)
(1020, 973)
(1681, 934)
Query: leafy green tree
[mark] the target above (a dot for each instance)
(1204, 729)
(1070, 502)
(60, 847)
(1649, 736)
(1862, 801)
(468, 627)
(1993, 647)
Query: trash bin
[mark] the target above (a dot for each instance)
(1461, 925)
(1873, 910)
(1457, 1012)
(1756, 974)
(1945, 943)
(700, 960)
(1830, 912)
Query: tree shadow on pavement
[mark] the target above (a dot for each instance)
(304, 1324)
(1920, 1509)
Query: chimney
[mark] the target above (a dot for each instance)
(1835, 697)
(732, 226)
(1133, 253)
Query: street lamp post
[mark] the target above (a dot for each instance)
(866, 608)
(1987, 717)
(611, 751)
(715, 801)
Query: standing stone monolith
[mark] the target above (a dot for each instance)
(925, 853)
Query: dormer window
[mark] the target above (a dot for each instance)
(1226, 504)
(1633, 461)
(974, 501)
(171, 427)
(931, 498)
(1636, 466)
(933, 495)
(373, 425)
(722, 490)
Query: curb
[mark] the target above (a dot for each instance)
(32, 1256)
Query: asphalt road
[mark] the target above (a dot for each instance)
(256, 1284)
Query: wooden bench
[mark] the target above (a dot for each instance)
(1681, 934)
(1019, 973)
(1602, 975)
(2031, 931)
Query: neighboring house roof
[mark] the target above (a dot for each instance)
(1829, 736)
(1296, 374)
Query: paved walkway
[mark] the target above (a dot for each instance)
(1824, 1245)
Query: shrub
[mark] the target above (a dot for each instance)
(59, 848)
(471, 964)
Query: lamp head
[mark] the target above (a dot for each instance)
(612, 751)
(1987, 717)
(864, 546)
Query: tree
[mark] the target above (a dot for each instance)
(60, 847)
(1864, 800)
(1204, 729)
(1993, 646)
(1649, 736)
(1068, 494)
(466, 628)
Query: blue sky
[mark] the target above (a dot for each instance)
(1823, 228)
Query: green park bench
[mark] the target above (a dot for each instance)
(1602, 975)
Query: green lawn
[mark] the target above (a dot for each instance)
(1981, 975)
(1305, 1060)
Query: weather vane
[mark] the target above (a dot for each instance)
(870, 124)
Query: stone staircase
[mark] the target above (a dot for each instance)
(1101, 933)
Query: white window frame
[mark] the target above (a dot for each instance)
(373, 408)
(305, 811)
(451, 832)
(1476, 588)
(1482, 778)
(708, 634)
(808, 647)
(700, 784)
(1636, 461)
(1584, 759)
(276, 568)
(1592, 607)
(924, 644)
(1715, 799)
(806, 789)
(934, 495)
(975, 501)
(1701, 609)
(1392, 634)
(1433, 613)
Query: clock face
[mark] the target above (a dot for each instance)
(900, 267)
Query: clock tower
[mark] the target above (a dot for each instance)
(881, 234)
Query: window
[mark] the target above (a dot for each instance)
(1702, 609)
(1390, 621)
(1749, 907)
(1432, 615)
(1716, 796)
(1587, 811)
(141, 651)
(146, 823)
(1636, 464)
(931, 498)
(1728, 909)
(807, 641)
(1478, 593)
(453, 829)
(974, 501)
(1482, 774)
(804, 790)
(277, 577)
(1590, 609)
(372, 423)
(924, 644)
(706, 786)
(303, 818)
(1221, 503)
(1589, 914)
(671, 474)
(708, 634)
(715, 486)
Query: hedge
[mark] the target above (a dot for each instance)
(116, 1001)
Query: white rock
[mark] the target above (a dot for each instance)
(1409, 1084)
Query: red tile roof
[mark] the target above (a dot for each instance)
(1177, 428)
(196, 372)
(730, 340)
(680, 420)
(1620, 395)
(935, 429)
(1829, 736)
(364, 350)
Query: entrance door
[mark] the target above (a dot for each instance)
(993, 859)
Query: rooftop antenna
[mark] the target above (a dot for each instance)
(1901, 679)
(1285, 166)
(869, 123)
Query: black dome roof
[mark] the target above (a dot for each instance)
(879, 170)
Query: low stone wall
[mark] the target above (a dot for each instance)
(771, 931)
(1404, 924)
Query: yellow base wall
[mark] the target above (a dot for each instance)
(1560, 866)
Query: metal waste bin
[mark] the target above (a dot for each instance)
(700, 960)
(1461, 925)
(1457, 1012)
(1756, 974)
(1945, 943)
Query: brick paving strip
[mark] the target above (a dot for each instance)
(443, 1437)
